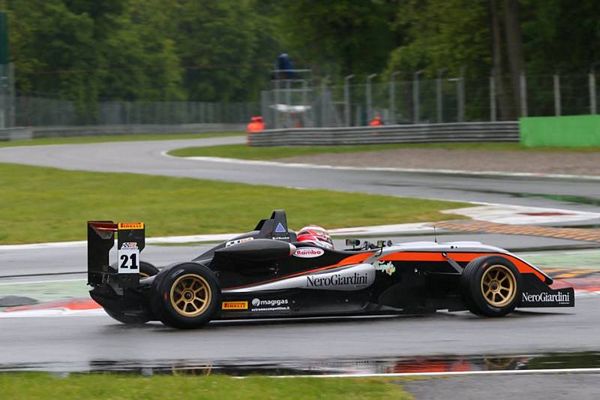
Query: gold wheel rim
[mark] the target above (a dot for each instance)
(498, 286)
(190, 295)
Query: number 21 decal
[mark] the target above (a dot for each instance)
(129, 261)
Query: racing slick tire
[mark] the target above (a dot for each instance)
(146, 270)
(491, 286)
(185, 296)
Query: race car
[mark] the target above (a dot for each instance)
(267, 273)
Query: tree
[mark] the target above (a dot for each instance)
(340, 37)
(219, 44)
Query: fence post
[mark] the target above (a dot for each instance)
(592, 81)
(393, 97)
(369, 98)
(416, 99)
(523, 94)
(347, 121)
(556, 86)
(323, 100)
(460, 89)
(11, 95)
(493, 115)
(438, 96)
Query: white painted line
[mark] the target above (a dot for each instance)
(40, 282)
(491, 212)
(455, 373)
(522, 215)
(54, 312)
(413, 228)
(386, 169)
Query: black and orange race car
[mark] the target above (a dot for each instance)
(266, 273)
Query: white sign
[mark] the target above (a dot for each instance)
(128, 258)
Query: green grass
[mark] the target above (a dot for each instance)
(46, 204)
(271, 153)
(116, 138)
(38, 386)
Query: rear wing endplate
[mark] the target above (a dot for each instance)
(101, 237)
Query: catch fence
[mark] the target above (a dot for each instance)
(296, 103)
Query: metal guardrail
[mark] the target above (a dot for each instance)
(16, 134)
(506, 131)
(63, 131)
(24, 133)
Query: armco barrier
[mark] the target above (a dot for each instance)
(421, 133)
(567, 131)
(15, 134)
(93, 130)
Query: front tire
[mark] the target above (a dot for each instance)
(185, 296)
(491, 286)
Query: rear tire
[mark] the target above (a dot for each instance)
(185, 296)
(491, 286)
(146, 270)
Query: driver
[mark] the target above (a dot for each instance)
(315, 235)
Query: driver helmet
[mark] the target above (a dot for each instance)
(316, 235)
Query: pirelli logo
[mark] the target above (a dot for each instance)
(131, 225)
(234, 305)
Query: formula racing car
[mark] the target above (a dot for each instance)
(267, 273)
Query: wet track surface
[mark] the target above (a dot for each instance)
(443, 341)
(75, 343)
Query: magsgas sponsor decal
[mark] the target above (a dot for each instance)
(270, 304)
(309, 252)
(546, 297)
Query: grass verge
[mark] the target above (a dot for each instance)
(116, 138)
(110, 386)
(271, 153)
(47, 204)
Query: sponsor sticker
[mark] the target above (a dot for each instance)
(238, 241)
(129, 245)
(545, 297)
(280, 228)
(281, 237)
(387, 267)
(131, 225)
(128, 259)
(234, 305)
(270, 304)
(338, 280)
(308, 252)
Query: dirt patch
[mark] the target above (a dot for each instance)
(550, 162)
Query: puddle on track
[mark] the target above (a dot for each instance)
(403, 365)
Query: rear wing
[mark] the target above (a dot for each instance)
(131, 241)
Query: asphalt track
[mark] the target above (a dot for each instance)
(148, 158)
(82, 342)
